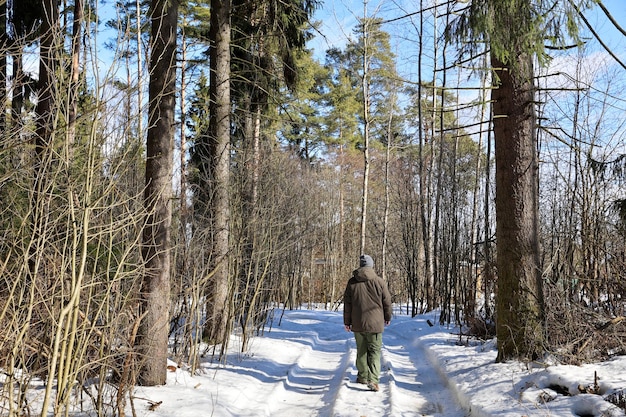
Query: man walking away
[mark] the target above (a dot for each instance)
(366, 312)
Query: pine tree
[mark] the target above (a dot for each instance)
(155, 290)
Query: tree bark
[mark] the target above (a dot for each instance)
(44, 128)
(155, 290)
(74, 75)
(4, 44)
(217, 314)
(44, 124)
(366, 128)
(520, 314)
(45, 87)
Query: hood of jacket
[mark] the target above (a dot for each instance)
(364, 273)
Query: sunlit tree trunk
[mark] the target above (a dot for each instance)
(74, 74)
(484, 137)
(424, 187)
(17, 95)
(366, 126)
(217, 325)
(20, 22)
(183, 132)
(45, 121)
(44, 130)
(46, 85)
(3, 67)
(519, 324)
(140, 72)
(383, 269)
(155, 290)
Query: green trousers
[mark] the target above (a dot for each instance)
(368, 347)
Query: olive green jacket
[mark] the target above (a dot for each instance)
(366, 302)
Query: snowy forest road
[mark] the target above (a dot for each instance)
(308, 363)
(409, 384)
(304, 365)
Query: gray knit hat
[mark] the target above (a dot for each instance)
(366, 260)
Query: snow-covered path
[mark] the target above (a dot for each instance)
(409, 384)
(305, 367)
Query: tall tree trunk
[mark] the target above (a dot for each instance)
(16, 47)
(366, 127)
(519, 326)
(46, 87)
(74, 75)
(486, 265)
(385, 238)
(155, 289)
(4, 44)
(217, 316)
(44, 128)
(18, 79)
(424, 184)
(183, 140)
(140, 72)
(44, 110)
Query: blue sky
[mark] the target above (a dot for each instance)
(339, 17)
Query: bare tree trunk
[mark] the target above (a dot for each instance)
(17, 99)
(489, 280)
(256, 158)
(383, 269)
(217, 316)
(426, 181)
(44, 128)
(183, 141)
(44, 124)
(4, 44)
(486, 267)
(441, 266)
(46, 85)
(74, 75)
(155, 291)
(424, 188)
(366, 127)
(519, 327)
(139, 71)
(16, 47)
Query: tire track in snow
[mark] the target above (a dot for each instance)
(410, 385)
(317, 378)
(317, 371)
(415, 382)
(357, 400)
(336, 393)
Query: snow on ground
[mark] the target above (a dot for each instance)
(304, 366)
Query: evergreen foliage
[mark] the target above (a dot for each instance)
(507, 26)
(291, 152)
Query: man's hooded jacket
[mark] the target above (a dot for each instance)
(367, 302)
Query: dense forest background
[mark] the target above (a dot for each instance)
(173, 172)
